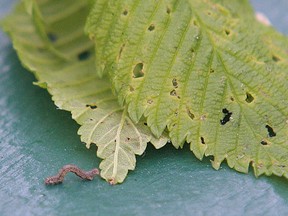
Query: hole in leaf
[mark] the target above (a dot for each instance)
(168, 10)
(249, 98)
(92, 106)
(145, 123)
(173, 93)
(190, 114)
(84, 55)
(138, 70)
(271, 132)
(263, 142)
(125, 13)
(149, 101)
(52, 37)
(202, 140)
(227, 116)
(175, 83)
(227, 32)
(151, 27)
(275, 58)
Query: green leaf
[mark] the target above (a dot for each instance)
(206, 72)
(73, 83)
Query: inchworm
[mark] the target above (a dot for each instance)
(57, 179)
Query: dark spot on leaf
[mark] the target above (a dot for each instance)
(84, 55)
(209, 13)
(151, 27)
(275, 58)
(212, 70)
(91, 106)
(128, 138)
(145, 123)
(138, 70)
(192, 50)
(227, 116)
(249, 98)
(227, 32)
(91, 119)
(168, 10)
(263, 142)
(125, 13)
(195, 23)
(52, 37)
(175, 83)
(281, 166)
(202, 140)
(271, 132)
(131, 89)
(232, 98)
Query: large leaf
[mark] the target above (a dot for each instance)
(212, 75)
(64, 65)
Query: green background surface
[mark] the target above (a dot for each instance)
(36, 140)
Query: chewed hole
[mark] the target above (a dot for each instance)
(84, 55)
(173, 93)
(190, 114)
(92, 106)
(125, 13)
(249, 98)
(227, 32)
(202, 140)
(263, 142)
(227, 116)
(175, 83)
(52, 37)
(151, 27)
(150, 101)
(138, 70)
(270, 130)
(275, 58)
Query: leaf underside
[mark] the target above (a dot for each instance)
(212, 76)
(49, 39)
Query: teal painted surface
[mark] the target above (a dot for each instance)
(36, 140)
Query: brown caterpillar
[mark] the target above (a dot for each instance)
(59, 178)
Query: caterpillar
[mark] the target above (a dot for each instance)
(59, 178)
